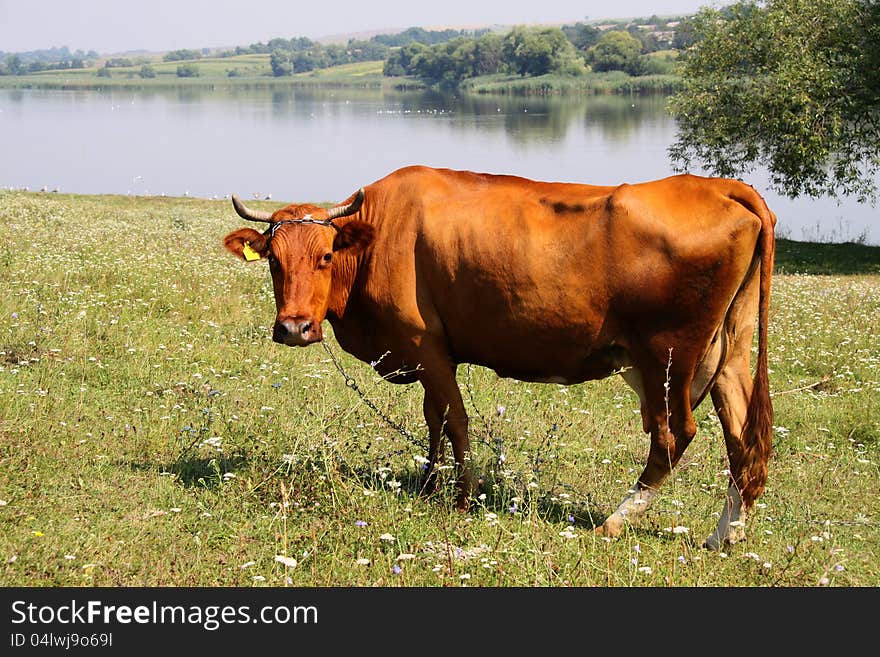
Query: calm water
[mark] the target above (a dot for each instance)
(300, 145)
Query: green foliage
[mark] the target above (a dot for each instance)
(818, 258)
(187, 71)
(423, 36)
(582, 35)
(612, 82)
(615, 51)
(49, 59)
(538, 52)
(147, 71)
(792, 86)
(118, 62)
(245, 69)
(523, 50)
(280, 63)
(449, 62)
(402, 60)
(665, 63)
(14, 65)
(103, 72)
(685, 34)
(300, 54)
(181, 55)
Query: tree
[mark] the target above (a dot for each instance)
(538, 52)
(180, 55)
(280, 63)
(615, 51)
(187, 71)
(400, 61)
(147, 71)
(301, 61)
(685, 34)
(582, 35)
(789, 85)
(14, 65)
(487, 54)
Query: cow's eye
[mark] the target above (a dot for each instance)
(327, 258)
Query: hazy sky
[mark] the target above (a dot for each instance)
(110, 26)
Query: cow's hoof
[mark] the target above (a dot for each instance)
(609, 530)
(712, 543)
(716, 544)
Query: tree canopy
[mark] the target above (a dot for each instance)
(615, 51)
(530, 51)
(790, 85)
(524, 51)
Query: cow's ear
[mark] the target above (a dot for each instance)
(355, 236)
(247, 244)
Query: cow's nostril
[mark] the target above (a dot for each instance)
(297, 333)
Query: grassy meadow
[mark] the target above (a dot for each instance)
(247, 70)
(151, 433)
(255, 71)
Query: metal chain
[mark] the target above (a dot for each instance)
(351, 383)
(497, 447)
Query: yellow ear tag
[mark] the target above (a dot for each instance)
(249, 253)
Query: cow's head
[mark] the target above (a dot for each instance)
(309, 255)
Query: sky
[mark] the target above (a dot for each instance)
(113, 26)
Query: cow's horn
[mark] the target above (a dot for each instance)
(350, 208)
(250, 215)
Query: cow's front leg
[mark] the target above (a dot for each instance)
(436, 453)
(445, 414)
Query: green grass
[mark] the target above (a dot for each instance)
(591, 83)
(822, 258)
(254, 70)
(152, 434)
(249, 70)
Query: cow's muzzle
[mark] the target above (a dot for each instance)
(297, 332)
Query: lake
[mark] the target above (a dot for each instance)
(321, 145)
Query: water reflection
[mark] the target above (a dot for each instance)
(521, 118)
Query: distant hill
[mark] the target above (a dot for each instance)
(359, 36)
(366, 35)
(62, 54)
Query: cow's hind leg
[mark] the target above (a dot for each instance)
(667, 416)
(730, 395)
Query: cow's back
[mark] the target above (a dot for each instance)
(543, 280)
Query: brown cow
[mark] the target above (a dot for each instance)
(541, 281)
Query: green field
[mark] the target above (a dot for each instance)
(212, 71)
(151, 433)
(254, 70)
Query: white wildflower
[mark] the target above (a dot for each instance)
(290, 562)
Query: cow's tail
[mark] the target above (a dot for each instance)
(757, 434)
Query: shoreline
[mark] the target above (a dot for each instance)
(615, 82)
(793, 256)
